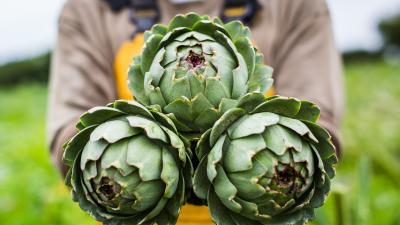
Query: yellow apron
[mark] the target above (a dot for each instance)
(190, 214)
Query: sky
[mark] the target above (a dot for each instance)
(28, 28)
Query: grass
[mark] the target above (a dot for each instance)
(365, 190)
(31, 190)
(367, 180)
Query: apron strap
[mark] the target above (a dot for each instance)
(243, 10)
(144, 14)
(117, 5)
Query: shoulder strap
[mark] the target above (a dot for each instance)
(144, 14)
(117, 5)
(243, 10)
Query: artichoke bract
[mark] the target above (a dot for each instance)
(128, 165)
(265, 161)
(196, 68)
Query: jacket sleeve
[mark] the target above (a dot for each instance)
(81, 73)
(307, 63)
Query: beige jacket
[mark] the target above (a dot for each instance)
(295, 37)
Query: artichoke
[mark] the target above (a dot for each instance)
(259, 161)
(195, 68)
(265, 161)
(128, 165)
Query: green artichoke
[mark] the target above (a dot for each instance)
(128, 165)
(195, 68)
(266, 161)
(259, 161)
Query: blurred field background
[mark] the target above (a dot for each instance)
(366, 190)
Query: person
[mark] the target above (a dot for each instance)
(91, 54)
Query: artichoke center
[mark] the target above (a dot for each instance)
(285, 178)
(109, 188)
(195, 60)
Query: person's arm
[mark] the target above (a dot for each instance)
(307, 63)
(81, 73)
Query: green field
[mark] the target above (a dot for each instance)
(366, 190)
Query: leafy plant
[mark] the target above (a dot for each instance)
(128, 165)
(194, 68)
(263, 161)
